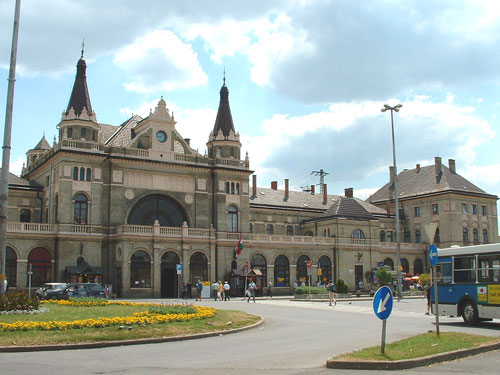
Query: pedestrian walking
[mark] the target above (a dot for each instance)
(331, 291)
(220, 291)
(428, 296)
(251, 290)
(227, 289)
(215, 289)
(270, 289)
(199, 288)
(189, 290)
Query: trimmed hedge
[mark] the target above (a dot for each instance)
(305, 290)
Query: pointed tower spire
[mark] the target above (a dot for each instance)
(80, 98)
(224, 120)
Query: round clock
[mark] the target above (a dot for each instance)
(161, 136)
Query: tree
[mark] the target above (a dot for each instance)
(384, 277)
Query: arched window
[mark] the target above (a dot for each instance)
(82, 174)
(485, 235)
(140, 270)
(302, 269)
(232, 219)
(198, 268)
(258, 262)
(388, 262)
(475, 236)
(11, 267)
(227, 187)
(157, 207)
(41, 265)
(418, 267)
(232, 187)
(89, 173)
(237, 188)
(75, 173)
(281, 271)
(325, 265)
(81, 208)
(465, 235)
(309, 234)
(358, 234)
(405, 265)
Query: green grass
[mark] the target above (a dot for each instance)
(69, 313)
(419, 346)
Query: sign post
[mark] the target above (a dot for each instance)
(178, 268)
(382, 306)
(433, 257)
(309, 266)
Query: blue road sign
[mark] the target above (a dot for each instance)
(433, 255)
(178, 267)
(382, 302)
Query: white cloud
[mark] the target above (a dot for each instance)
(16, 166)
(160, 61)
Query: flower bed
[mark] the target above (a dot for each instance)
(140, 318)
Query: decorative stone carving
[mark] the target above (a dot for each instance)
(188, 198)
(129, 194)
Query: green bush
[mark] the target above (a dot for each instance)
(384, 277)
(341, 286)
(314, 290)
(18, 301)
(172, 309)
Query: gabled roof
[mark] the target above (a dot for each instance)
(424, 181)
(224, 120)
(20, 183)
(347, 207)
(42, 145)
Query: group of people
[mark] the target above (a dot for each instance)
(221, 291)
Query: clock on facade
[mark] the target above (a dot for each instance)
(161, 136)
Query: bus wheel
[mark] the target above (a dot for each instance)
(469, 313)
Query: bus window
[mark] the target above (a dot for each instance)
(444, 274)
(489, 268)
(465, 269)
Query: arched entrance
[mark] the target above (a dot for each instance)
(41, 266)
(325, 265)
(198, 268)
(302, 269)
(258, 262)
(167, 211)
(169, 278)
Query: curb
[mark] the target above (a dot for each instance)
(106, 344)
(410, 363)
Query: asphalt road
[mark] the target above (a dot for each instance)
(296, 338)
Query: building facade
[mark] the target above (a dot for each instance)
(133, 206)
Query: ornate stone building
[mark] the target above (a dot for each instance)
(129, 205)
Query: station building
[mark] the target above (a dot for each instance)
(135, 207)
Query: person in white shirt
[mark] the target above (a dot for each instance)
(227, 288)
(251, 291)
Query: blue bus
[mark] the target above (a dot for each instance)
(469, 282)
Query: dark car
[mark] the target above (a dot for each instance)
(51, 290)
(80, 290)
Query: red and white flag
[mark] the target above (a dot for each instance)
(238, 248)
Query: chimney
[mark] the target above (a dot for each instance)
(349, 192)
(437, 165)
(417, 168)
(287, 191)
(274, 185)
(254, 187)
(388, 206)
(325, 194)
(312, 189)
(392, 175)
(451, 166)
(188, 141)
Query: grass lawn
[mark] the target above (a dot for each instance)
(71, 313)
(419, 346)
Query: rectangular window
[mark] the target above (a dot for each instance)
(464, 208)
(489, 268)
(483, 211)
(435, 209)
(418, 237)
(25, 216)
(70, 133)
(465, 236)
(382, 236)
(444, 273)
(474, 209)
(485, 235)
(83, 133)
(465, 269)
(417, 211)
(407, 236)
(269, 229)
(475, 236)
(289, 230)
(389, 236)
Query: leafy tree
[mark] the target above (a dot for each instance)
(384, 277)
(425, 278)
(341, 286)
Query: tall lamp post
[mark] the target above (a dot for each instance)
(396, 203)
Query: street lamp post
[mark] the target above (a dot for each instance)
(396, 203)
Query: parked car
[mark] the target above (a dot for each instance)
(53, 289)
(85, 290)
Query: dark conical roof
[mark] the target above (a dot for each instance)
(80, 95)
(224, 120)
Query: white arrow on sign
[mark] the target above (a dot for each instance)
(381, 306)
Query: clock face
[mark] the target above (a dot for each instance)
(161, 136)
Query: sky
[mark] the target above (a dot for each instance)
(307, 79)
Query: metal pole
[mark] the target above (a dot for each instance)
(396, 203)
(382, 345)
(4, 191)
(436, 301)
(30, 272)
